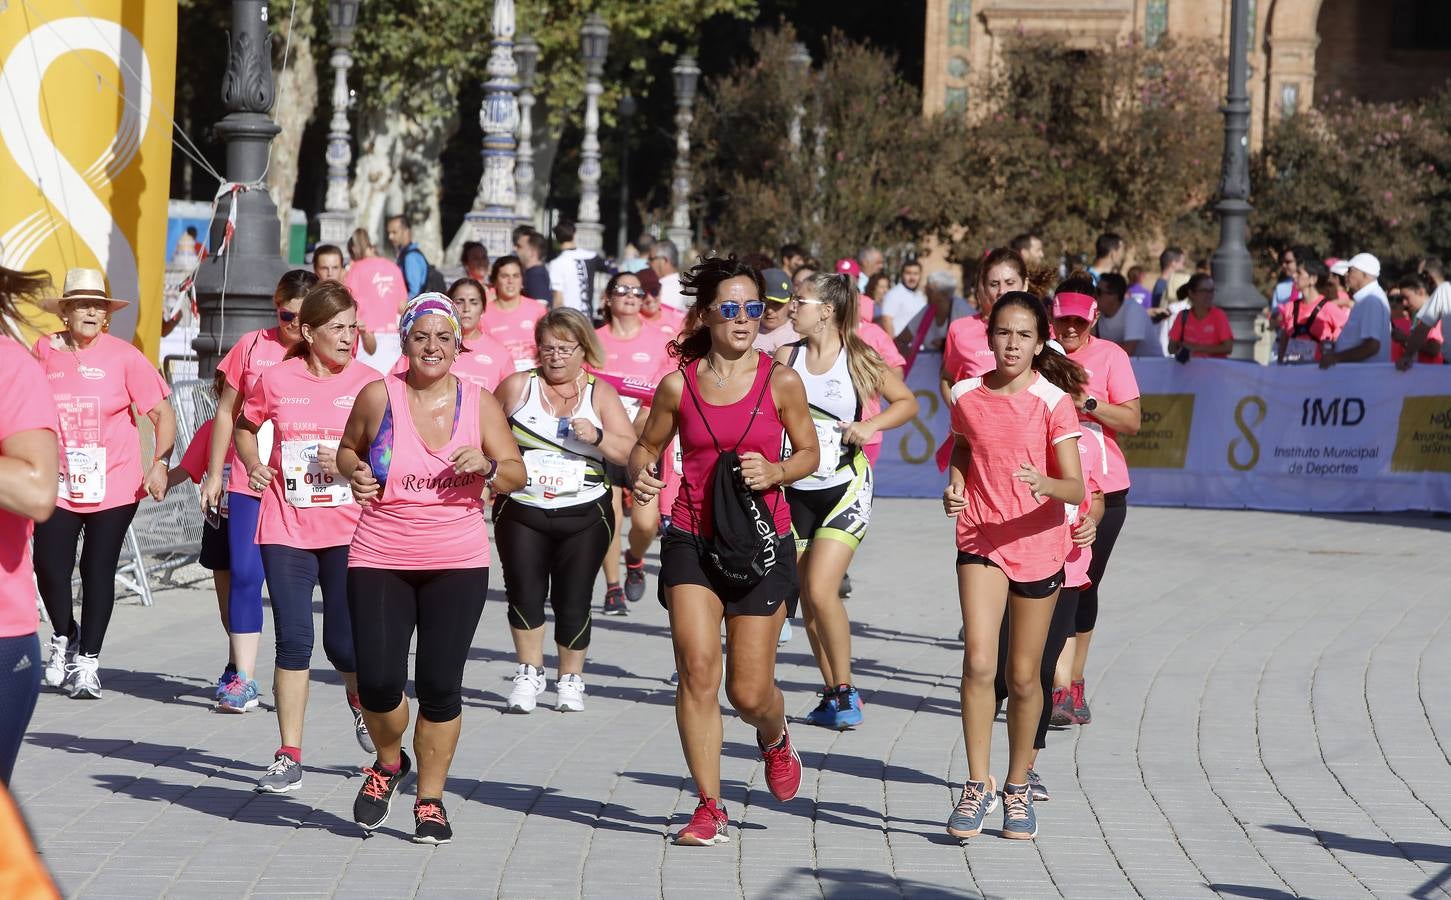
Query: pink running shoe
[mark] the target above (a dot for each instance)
(707, 827)
(783, 767)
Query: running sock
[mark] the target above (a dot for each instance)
(294, 753)
(393, 769)
(779, 741)
(612, 586)
(632, 563)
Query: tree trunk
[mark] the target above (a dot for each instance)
(297, 101)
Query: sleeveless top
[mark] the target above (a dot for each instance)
(563, 470)
(832, 398)
(761, 433)
(427, 516)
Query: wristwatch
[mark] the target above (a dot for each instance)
(1090, 404)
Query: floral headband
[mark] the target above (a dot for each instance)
(431, 303)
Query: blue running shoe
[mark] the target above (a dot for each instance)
(1019, 821)
(978, 799)
(824, 715)
(239, 696)
(227, 675)
(848, 708)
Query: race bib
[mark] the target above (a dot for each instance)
(828, 439)
(552, 474)
(84, 477)
(222, 506)
(679, 457)
(304, 483)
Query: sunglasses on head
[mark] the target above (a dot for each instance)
(730, 309)
(286, 315)
(624, 290)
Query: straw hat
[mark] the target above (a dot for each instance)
(83, 284)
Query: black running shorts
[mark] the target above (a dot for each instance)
(1033, 590)
(682, 562)
(215, 554)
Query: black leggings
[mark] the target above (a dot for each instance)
(387, 605)
(55, 559)
(555, 553)
(1114, 509)
(19, 686)
(1060, 629)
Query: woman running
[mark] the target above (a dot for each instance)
(510, 316)
(307, 515)
(634, 350)
(1108, 408)
(554, 530)
(29, 464)
(95, 380)
(1015, 445)
(419, 449)
(254, 353)
(484, 361)
(751, 402)
(966, 353)
(832, 507)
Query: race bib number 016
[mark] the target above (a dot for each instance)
(84, 477)
(552, 474)
(304, 483)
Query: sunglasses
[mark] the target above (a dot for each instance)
(731, 309)
(624, 290)
(286, 315)
(808, 301)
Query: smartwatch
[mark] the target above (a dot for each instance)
(1090, 404)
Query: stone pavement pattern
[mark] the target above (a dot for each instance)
(1266, 724)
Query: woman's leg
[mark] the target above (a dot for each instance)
(291, 576)
(449, 606)
(244, 600)
(20, 666)
(523, 546)
(1103, 544)
(100, 555)
(751, 673)
(55, 560)
(382, 607)
(337, 626)
(1059, 631)
(983, 592)
(222, 584)
(612, 556)
(695, 617)
(1028, 621)
(644, 525)
(827, 625)
(573, 562)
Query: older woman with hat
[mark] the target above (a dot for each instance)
(95, 379)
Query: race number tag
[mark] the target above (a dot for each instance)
(304, 483)
(679, 456)
(828, 437)
(84, 477)
(552, 474)
(224, 503)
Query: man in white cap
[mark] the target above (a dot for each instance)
(1367, 333)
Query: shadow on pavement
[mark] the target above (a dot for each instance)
(861, 885)
(532, 800)
(1409, 850)
(274, 810)
(1250, 890)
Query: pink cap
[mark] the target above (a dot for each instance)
(1070, 304)
(848, 266)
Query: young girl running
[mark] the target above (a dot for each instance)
(1013, 426)
(832, 506)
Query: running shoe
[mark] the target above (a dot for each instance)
(227, 673)
(240, 695)
(848, 708)
(709, 826)
(84, 678)
(375, 797)
(360, 728)
(615, 602)
(430, 823)
(1039, 789)
(528, 685)
(786, 633)
(824, 715)
(570, 690)
(978, 799)
(59, 661)
(634, 579)
(1081, 713)
(783, 767)
(845, 590)
(1019, 821)
(282, 777)
(1062, 715)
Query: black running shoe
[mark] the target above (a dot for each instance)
(375, 798)
(430, 823)
(615, 602)
(845, 590)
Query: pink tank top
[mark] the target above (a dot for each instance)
(760, 432)
(427, 516)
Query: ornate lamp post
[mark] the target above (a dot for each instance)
(1232, 264)
(493, 216)
(627, 115)
(687, 76)
(248, 271)
(335, 223)
(526, 57)
(799, 61)
(595, 41)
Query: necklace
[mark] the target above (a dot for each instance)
(720, 380)
(544, 398)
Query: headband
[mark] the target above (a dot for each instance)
(1056, 347)
(431, 303)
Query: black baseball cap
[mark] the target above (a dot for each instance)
(778, 285)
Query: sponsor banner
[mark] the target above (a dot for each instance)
(1227, 434)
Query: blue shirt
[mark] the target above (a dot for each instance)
(415, 268)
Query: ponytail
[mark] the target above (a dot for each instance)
(867, 368)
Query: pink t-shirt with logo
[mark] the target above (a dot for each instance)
(194, 460)
(25, 405)
(1110, 380)
(643, 356)
(485, 362)
(1003, 521)
(881, 342)
(378, 286)
(94, 391)
(1212, 329)
(966, 353)
(669, 320)
(1091, 458)
(254, 353)
(304, 408)
(514, 328)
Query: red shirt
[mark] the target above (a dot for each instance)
(1403, 326)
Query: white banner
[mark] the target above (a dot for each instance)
(1235, 435)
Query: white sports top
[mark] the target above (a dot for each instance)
(563, 471)
(832, 399)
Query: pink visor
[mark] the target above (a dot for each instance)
(1070, 304)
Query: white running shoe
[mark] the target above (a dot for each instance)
(528, 685)
(56, 664)
(84, 677)
(786, 633)
(570, 689)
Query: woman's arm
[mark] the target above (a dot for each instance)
(659, 428)
(901, 407)
(499, 445)
(954, 500)
(163, 425)
(212, 487)
(618, 436)
(29, 461)
(790, 394)
(1067, 487)
(1125, 418)
(364, 420)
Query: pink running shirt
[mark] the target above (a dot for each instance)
(25, 405)
(1091, 458)
(254, 353)
(642, 356)
(94, 391)
(879, 341)
(1111, 380)
(514, 328)
(485, 362)
(194, 460)
(1026, 537)
(1211, 329)
(427, 516)
(378, 286)
(966, 353)
(305, 409)
(670, 320)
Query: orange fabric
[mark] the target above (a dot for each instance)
(22, 875)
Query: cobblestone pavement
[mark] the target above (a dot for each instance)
(1266, 724)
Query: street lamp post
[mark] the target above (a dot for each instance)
(595, 41)
(247, 273)
(687, 76)
(335, 223)
(526, 57)
(1232, 265)
(491, 221)
(627, 115)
